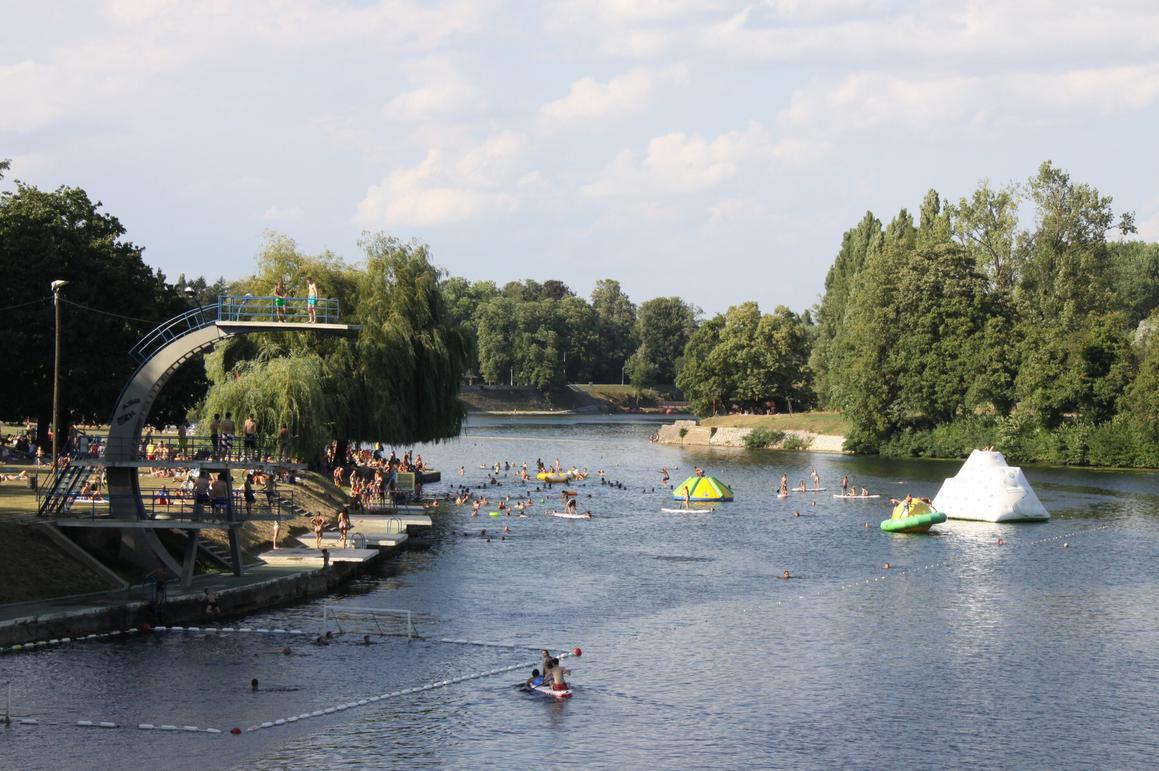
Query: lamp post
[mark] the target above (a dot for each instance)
(56, 287)
(622, 372)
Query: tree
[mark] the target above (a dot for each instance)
(1066, 266)
(112, 300)
(664, 326)
(495, 325)
(749, 360)
(396, 382)
(986, 225)
(912, 348)
(616, 317)
(856, 245)
(641, 371)
(704, 386)
(579, 329)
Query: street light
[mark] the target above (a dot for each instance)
(56, 287)
(622, 372)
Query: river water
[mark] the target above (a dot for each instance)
(1041, 652)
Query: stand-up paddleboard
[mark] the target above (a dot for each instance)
(547, 690)
(856, 497)
(702, 509)
(570, 514)
(782, 495)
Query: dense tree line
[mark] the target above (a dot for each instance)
(962, 329)
(544, 335)
(954, 329)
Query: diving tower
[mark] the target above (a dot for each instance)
(159, 354)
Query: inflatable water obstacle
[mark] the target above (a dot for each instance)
(702, 489)
(914, 517)
(986, 489)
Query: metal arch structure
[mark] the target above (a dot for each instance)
(161, 353)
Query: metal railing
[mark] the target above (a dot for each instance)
(180, 506)
(178, 326)
(191, 449)
(277, 309)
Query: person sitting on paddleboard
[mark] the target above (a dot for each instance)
(554, 675)
(535, 679)
(569, 507)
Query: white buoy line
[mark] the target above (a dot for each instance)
(401, 692)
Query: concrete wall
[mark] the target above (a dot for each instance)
(182, 611)
(725, 436)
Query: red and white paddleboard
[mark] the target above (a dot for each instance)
(547, 690)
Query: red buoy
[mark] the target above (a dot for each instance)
(576, 652)
(235, 731)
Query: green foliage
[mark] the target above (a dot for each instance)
(748, 360)
(616, 322)
(63, 234)
(797, 442)
(856, 246)
(926, 333)
(664, 326)
(763, 437)
(397, 382)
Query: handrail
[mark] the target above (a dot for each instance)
(178, 326)
(277, 309)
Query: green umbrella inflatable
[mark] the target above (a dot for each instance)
(703, 489)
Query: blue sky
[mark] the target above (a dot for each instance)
(713, 150)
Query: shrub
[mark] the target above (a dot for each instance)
(797, 442)
(763, 437)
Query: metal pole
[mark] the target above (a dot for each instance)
(56, 286)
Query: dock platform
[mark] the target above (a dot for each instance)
(311, 558)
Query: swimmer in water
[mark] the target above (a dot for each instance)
(786, 575)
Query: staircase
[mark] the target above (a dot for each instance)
(61, 493)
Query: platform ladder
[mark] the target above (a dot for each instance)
(61, 493)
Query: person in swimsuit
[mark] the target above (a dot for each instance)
(555, 673)
(343, 526)
(280, 301)
(845, 485)
(318, 522)
(312, 299)
(250, 497)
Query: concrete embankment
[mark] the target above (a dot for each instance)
(259, 589)
(690, 433)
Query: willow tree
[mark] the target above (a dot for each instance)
(397, 382)
(410, 357)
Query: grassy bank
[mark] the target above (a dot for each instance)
(829, 423)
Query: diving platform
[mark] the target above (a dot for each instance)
(128, 448)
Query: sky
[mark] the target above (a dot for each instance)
(714, 150)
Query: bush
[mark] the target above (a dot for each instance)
(797, 442)
(763, 437)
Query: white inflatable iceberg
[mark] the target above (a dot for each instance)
(988, 490)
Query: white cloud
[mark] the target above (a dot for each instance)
(977, 34)
(280, 213)
(448, 188)
(437, 101)
(939, 107)
(679, 163)
(735, 210)
(589, 99)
